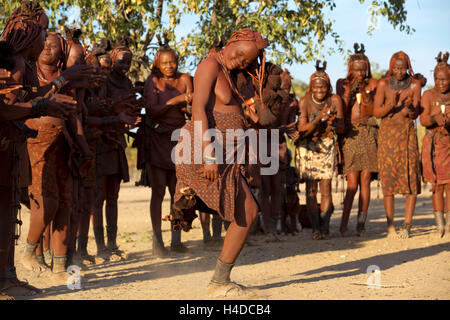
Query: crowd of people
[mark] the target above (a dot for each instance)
(66, 109)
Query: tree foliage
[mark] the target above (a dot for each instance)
(296, 29)
(377, 73)
(299, 88)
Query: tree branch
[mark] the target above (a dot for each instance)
(151, 34)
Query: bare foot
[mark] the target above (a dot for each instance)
(361, 232)
(346, 233)
(17, 288)
(87, 258)
(273, 237)
(118, 255)
(440, 231)
(179, 248)
(316, 235)
(230, 289)
(404, 232)
(3, 295)
(102, 256)
(62, 278)
(30, 263)
(391, 233)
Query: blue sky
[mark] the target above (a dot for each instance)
(430, 19)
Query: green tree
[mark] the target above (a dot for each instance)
(299, 87)
(138, 20)
(377, 73)
(296, 29)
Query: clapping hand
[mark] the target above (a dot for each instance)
(60, 105)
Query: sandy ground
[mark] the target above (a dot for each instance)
(295, 268)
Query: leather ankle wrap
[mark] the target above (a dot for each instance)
(222, 272)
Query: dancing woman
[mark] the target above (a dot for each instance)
(219, 187)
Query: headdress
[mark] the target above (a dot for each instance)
(163, 48)
(122, 45)
(320, 74)
(442, 62)
(359, 55)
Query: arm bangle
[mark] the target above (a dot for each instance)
(209, 160)
(59, 82)
(39, 107)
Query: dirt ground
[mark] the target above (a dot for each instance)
(295, 268)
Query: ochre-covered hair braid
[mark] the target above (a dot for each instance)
(403, 56)
(21, 34)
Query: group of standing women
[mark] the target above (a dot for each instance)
(342, 132)
(65, 110)
(333, 132)
(64, 114)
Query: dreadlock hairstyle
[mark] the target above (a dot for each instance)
(163, 48)
(28, 10)
(21, 33)
(122, 46)
(442, 63)
(248, 35)
(217, 45)
(320, 74)
(402, 56)
(359, 55)
(260, 43)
